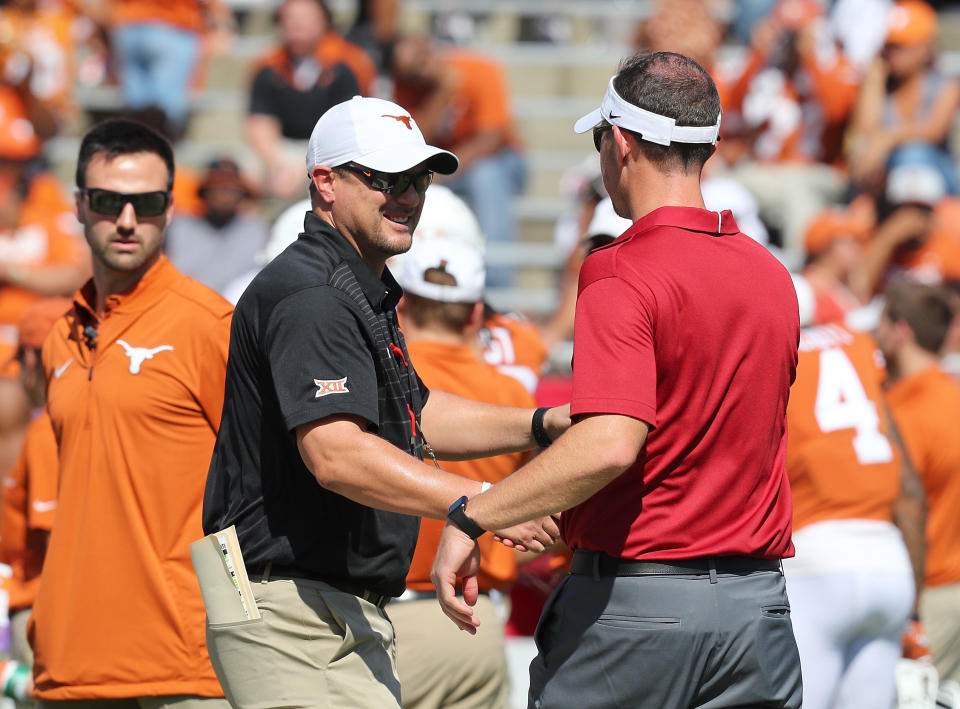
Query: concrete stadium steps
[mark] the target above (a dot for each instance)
(551, 85)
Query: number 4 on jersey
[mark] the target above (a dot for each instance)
(842, 404)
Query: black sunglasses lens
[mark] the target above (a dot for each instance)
(421, 181)
(598, 132)
(150, 204)
(145, 204)
(394, 184)
(103, 202)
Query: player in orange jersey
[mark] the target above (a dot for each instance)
(925, 402)
(29, 500)
(851, 584)
(443, 310)
(510, 342)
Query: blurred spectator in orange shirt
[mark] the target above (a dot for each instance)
(438, 665)
(906, 107)
(313, 69)
(797, 89)
(460, 100)
(916, 235)
(36, 59)
(834, 246)
(925, 402)
(688, 27)
(29, 501)
(41, 254)
(157, 46)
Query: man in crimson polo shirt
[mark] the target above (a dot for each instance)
(673, 475)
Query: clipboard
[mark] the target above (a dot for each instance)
(224, 585)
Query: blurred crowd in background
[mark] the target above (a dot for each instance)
(835, 152)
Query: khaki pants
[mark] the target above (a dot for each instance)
(313, 646)
(174, 702)
(442, 666)
(940, 613)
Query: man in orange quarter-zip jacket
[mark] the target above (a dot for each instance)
(135, 374)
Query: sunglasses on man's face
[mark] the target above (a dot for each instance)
(392, 183)
(598, 132)
(111, 204)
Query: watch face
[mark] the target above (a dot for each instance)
(458, 516)
(459, 503)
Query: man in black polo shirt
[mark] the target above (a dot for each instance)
(320, 390)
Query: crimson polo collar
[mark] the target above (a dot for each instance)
(689, 218)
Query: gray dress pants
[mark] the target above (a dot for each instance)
(667, 642)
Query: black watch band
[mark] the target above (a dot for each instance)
(537, 429)
(458, 515)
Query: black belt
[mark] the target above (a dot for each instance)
(597, 563)
(282, 571)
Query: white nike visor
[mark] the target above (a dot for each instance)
(651, 126)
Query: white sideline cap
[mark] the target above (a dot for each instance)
(444, 216)
(374, 133)
(915, 183)
(458, 258)
(606, 222)
(651, 126)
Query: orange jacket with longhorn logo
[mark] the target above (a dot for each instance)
(119, 611)
(840, 462)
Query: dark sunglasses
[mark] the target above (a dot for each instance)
(598, 132)
(392, 183)
(145, 204)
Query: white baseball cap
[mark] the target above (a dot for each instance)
(915, 183)
(374, 133)
(444, 216)
(458, 258)
(606, 222)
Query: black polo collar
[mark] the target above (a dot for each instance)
(383, 293)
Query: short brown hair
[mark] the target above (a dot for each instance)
(675, 86)
(926, 309)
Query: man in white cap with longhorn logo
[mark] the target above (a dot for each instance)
(672, 478)
(319, 462)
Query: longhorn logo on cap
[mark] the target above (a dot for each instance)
(405, 120)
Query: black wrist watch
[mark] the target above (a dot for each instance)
(458, 515)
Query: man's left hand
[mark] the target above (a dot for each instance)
(458, 557)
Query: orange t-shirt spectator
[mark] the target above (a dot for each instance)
(797, 84)
(834, 246)
(461, 101)
(313, 69)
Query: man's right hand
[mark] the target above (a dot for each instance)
(536, 535)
